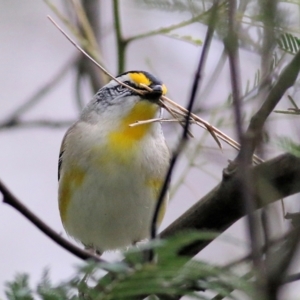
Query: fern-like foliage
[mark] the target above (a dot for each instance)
(19, 288)
(170, 275)
(174, 5)
(289, 43)
(287, 144)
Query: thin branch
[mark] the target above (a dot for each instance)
(167, 29)
(92, 59)
(37, 96)
(295, 110)
(67, 23)
(291, 278)
(279, 262)
(78, 89)
(37, 123)
(244, 161)
(271, 243)
(121, 42)
(11, 200)
(184, 136)
(89, 13)
(75, 31)
(85, 25)
(213, 78)
(211, 129)
(247, 276)
(286, 80)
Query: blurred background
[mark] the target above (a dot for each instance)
(36, 58)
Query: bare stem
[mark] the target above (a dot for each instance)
(121, 42)
(245, 178)
(184, 136)
(11, 200)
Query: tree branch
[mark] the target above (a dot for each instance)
(223, 205)
(286, 80)
(11, 200)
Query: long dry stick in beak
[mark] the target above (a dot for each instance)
(177, 111)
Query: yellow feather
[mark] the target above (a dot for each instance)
(124, 138)
(71, 181)
(139, 78)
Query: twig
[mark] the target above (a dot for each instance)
(167, 29)
(171, 111)
(78, 95)
(291, 278)
(88, 16)
(206, 125)
(263, 249)
(86, 27)
(93, 60)
(246, 276)
(34, 99)
(293, 102)
(37, 123)
(84, 40)
(184, 136)
(11, 200)
(143, 122)
(288, 112)
(244, 160)
(214, 77)
(280, 261)
(214, 131)
(291, 111)
(121, 42)
(286, 79)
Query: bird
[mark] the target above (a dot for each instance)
(110, 174)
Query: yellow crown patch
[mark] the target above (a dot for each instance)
(140, 78)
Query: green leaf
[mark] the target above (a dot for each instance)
(287, 144)
(19, 288)
(289, 43)
(186, 38)
(172, 5)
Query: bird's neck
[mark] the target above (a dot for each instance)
(125, 135)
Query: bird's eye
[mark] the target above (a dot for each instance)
(121, 88)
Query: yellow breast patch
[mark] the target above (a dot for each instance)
(71, 181)
(123, 138)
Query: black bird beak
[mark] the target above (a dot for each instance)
(155, 94)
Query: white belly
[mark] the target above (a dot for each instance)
(113, 205)
(111, 211)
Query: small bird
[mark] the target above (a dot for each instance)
(110, 174)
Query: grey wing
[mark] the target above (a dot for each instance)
(62, 149)
(60, 162)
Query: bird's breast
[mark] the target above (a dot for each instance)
(125, 136)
